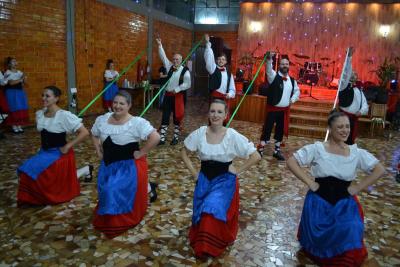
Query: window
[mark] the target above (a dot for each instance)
(217, 12)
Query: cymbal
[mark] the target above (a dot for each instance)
(325, 58)
(301, 56)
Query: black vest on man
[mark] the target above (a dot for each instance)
(184, 70)
(171, 71)
(275, 90)
(214, 83)
(346, 97)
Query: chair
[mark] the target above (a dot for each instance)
(378, 116)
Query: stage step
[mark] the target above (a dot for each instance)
(308, 110)
(308, 117)
(309, 102)
(307, 131)
(308, 120)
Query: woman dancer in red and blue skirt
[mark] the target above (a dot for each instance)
(216, 196)
(332, 222)
(50, 177)
(16, 97)
(122, 179)
(109, 75)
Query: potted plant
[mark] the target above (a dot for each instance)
(385, 73)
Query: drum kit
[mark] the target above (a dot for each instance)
(312, 72)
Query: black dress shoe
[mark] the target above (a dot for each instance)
(174, 141)
(153, 192)
(398, 177)
(161, 143)
(260, 149)
(278, 155)
(89, 177)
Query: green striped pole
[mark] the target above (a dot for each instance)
(165, 85)
(248, 89)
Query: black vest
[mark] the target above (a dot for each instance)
(332, 189)
(212, 168)
(184, 70)
(171, 71)
(113, 152)
(346, 96)
(214, 82)
(15, 86)
(52, 140)
(275, 90)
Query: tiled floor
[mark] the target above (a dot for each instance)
(271, 201)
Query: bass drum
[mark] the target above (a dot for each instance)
(311, 78)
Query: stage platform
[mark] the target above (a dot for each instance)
(308, 116)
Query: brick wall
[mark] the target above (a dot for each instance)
(174, 39)
(102, 32)
(230, 40)
(34, 33)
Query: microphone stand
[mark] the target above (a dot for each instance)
(311, 84)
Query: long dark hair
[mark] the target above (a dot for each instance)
(56, 91)
(108, 63)
(8, 62)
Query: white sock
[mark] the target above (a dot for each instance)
(15, 128)
(83, 171)
(148, 188)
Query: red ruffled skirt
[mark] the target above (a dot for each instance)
(115, 225)
(350, 258)
(3, 103)
(210, 236)
(57, 184)
(20, 117)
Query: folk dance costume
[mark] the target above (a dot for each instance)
(282, 92)
(216, 196)
(332, 222)
(3, 100)
(109, 94)
(50, 177)
(221, 83)
(122, 180)
(179, 82)
(16, 99)
(352, 101)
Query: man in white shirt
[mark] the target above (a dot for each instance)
(221, 83)
(352, 100)
(282, 92)
(179, 81)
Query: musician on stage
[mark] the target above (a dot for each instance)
(352, 100)
(179, 81)
(221, 83)
(282, 92)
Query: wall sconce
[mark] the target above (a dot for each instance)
(384, 30)
(255, 26)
